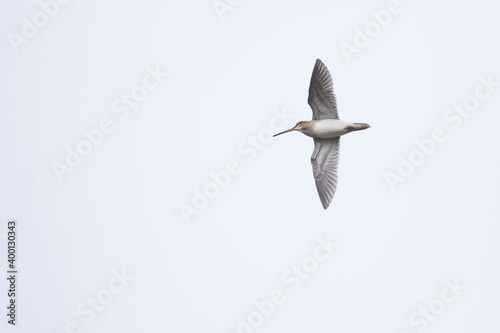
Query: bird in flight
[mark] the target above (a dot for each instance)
(325, 128)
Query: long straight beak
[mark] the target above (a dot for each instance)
(288, 130)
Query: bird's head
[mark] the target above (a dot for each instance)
(300, 126)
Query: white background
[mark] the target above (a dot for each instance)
(120, 208)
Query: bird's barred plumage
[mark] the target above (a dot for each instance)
(325, 157)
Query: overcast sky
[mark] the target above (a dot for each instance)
(138, 163)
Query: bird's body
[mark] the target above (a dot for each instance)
(325, 128)
(328, 128)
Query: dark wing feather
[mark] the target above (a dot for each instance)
(325, 160)
(321, 97)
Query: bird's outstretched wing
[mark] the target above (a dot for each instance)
(321, 97)
(325, 160)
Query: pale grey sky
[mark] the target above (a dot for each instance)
(137, 160)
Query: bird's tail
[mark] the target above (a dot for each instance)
(358, 126)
